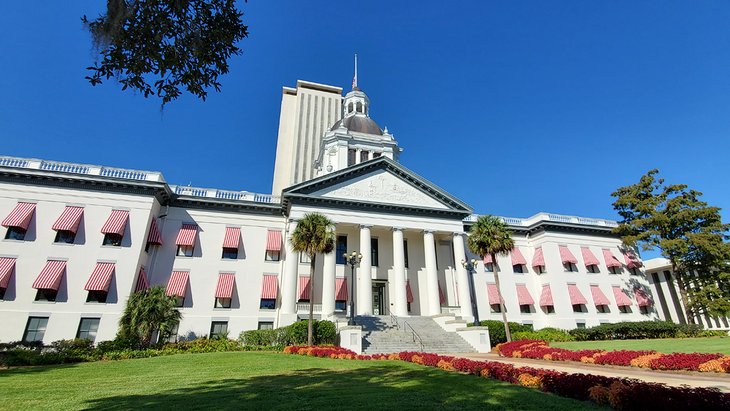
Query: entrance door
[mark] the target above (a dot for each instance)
(379, 299)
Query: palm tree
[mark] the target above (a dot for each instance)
(489, 236)
(314, 234)
(146, 312)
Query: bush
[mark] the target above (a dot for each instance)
(627, 330)
(545, 334)
(325, 333)
(496, 330)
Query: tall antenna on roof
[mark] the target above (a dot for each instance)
(354, 79)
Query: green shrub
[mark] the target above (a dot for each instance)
(546, 334)
(627, 330)
(325, 333)
(496, 330)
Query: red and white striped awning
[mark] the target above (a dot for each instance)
(178, 283)
(588, 257)
(116, 223)
(409, 292)
(642, 297)
(576, 297)
(7, 266)
(341, 288)
(20, 216)
(232, 238)
(51, 275)
(273, 240)
(622, 300)
(225, 285)
(69, 219)
(523, 295)
(154, 236)
(599, 298)
(270, 288)
(517, 257)
(187, 234)
(538, 260)
(442, 297)
(142, 282)
(493, 294)
(546, 296)
(632, 261)
(303, 287)
(566, 256)
(487, 259)
(611, 260)
(100, 278)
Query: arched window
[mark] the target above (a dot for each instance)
(349, 108)
(359, 106)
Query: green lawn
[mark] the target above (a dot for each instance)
(668, 345)
(269, 381)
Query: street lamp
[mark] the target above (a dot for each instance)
(352, 259)
(471, 267)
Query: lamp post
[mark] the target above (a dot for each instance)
(471, 268)
(352, 259)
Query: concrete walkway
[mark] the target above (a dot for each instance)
(673, 378)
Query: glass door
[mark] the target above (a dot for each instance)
(378, 299)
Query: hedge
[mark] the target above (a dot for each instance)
(324, 332)
(496, 330)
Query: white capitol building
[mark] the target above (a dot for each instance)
(77, 239)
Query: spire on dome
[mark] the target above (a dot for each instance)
(354, 79)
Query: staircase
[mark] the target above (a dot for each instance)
(382, 335)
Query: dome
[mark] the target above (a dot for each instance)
(359, 124)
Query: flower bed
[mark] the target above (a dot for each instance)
(619, 393)
(538, 349)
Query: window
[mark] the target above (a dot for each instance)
(374, 251)
(359, 107)
(273, 255)
(614, 270)
(185, 250)
(624, 309)
(341, 249)
(340, 305)
(635, 271)
(364, 156)
(222, 303)
(351, 154)
(15, 233)
(88, 328)
(230, 253)
(593, 269)
(112, 239)
(180, 301)
(603, 309)
(549, 309)
(171, 335)
(578, 308)
(268, 304)
(35, 329)
(570, 267)
(266, 325)
(304, 258)
(525, 309)
(376, 154)
(409, 306)
(495, 308)
(350, 107)
(489, 268)
(405, 252)
(580, 325)
(518, 269)
(219, 329)
(2, 293)
(644, 309)
(65, 236)
(97, 297)
(44, 294)
(540, 269)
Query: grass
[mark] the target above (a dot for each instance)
(256, 380)
(667, 345)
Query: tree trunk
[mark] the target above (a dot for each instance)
(312, 257)
(502, 308)
(683, 294)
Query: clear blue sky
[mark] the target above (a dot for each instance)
(514, 107)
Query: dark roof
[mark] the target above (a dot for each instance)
(360, 124)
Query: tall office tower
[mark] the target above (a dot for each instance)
(307, 112)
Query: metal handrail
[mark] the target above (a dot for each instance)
(415, 334)
(393, 319)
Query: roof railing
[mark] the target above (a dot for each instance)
(225, 194)
(526, 222)
(76, 168)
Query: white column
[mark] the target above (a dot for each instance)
(328, 285)
(462, 277)
(433, 305)
(364, 300)
(399, 274)
(289, 278)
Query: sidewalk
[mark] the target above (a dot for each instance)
(673, 378)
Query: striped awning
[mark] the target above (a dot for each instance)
(538, 260)
(599, 298)
(409, 292)
(642, 297)
(69, 219)
(442, 297)
(576, 297)
(154, 236)
(493, 294)
(178, 283)
(588, 257)
(341, 289)
(7, 266)
(20, 216)
(546, 296)
(517, 257)
(116, 223)
(566, 256)
(270, 287)
(523, 295)
(622, 300)
(225, 285)
(487, 259)
(632, 261)
(611, 260)
(273, 240)
(100, 278)
(51, 275)
(187, 234)
(142, 282)
(232, 238)
(303, 287)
